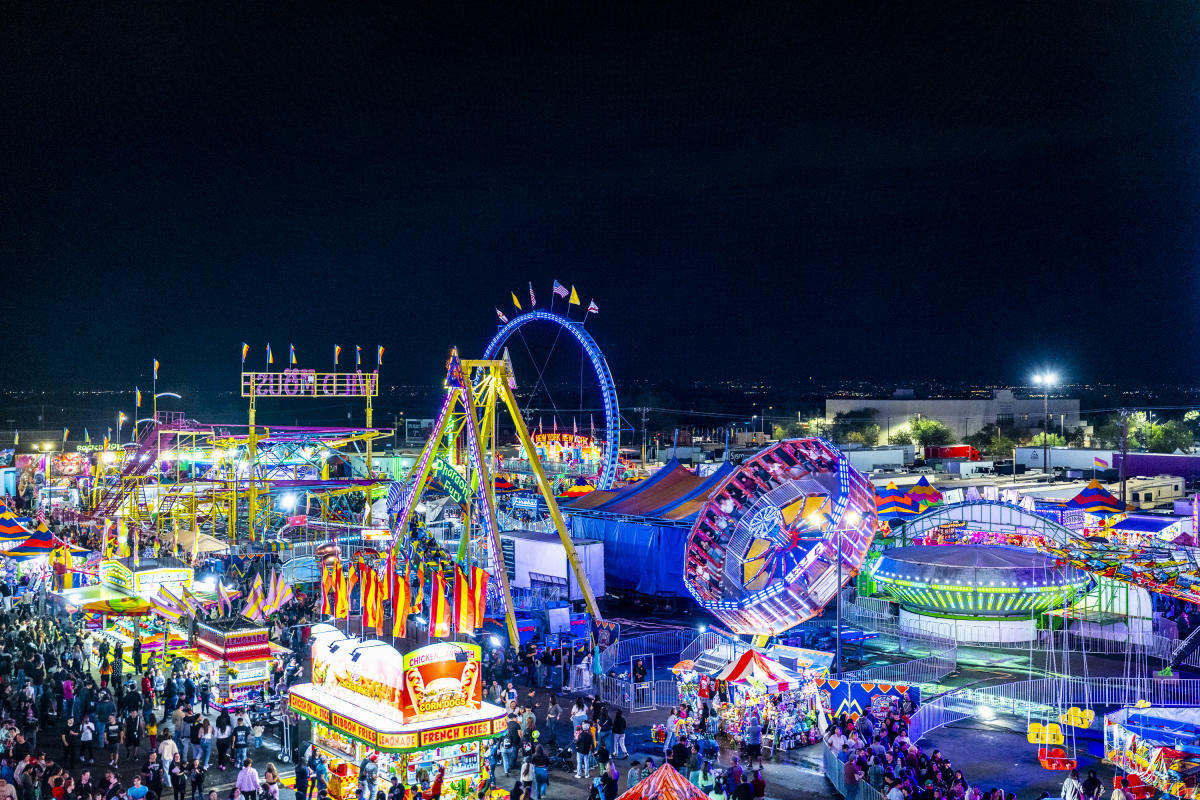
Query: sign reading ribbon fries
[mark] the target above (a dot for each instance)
(441, 680)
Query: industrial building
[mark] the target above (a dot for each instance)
(964, 416)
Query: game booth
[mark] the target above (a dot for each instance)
(1158, 747)
(783, 700)
(407, 715)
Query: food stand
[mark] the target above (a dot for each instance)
(235, 655)
(411, 714)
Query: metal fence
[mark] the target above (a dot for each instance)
(930, 669)
(663, 643)
(875, 613)
(835, 773)
(1045, 695)
(710, 639)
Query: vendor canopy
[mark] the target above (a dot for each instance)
(10, 529)
(664, 784)
(752, 666)
(1095, 499)
(186, 540)
(39, 545)
(892, 501)
(674, 492)
(923, 494)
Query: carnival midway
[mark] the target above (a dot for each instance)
(516, 607)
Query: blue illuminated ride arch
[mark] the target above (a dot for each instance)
(608, 390)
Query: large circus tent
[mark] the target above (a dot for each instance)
(644, 527)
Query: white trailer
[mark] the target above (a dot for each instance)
(1076, 458)
(534, 553)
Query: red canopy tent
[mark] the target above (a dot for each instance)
(664, 784)
(753, 664)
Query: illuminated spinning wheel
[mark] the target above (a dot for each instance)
(762, 555)
(541, 377)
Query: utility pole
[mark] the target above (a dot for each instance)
(645, 416)
(1124, 447)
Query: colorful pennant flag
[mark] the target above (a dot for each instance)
(161, 605)
(292, 354)
(560, 290)
(65, 432)
(283, 592)
(137, 397)
(342, 608)
(224, 599)
(357, 356)
(337, 354)
(156, 369)
(574, 297)
(245, 350)
(516, 302)
(379, 356)
(253, 607)
(270, 358)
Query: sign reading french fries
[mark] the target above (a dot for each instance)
(441, 680)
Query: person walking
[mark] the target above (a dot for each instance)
(619, 724)
(584, 744)
(248, 781)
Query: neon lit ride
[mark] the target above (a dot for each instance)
(1002, 588)
(762, 553)
(608, 438)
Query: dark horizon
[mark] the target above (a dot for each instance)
(974, 192)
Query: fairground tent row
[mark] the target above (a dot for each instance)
(644, 527)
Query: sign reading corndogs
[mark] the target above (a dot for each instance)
(441, 680)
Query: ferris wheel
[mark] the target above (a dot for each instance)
(564, 385)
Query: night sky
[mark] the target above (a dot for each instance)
(890, 191)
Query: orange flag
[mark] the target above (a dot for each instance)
(400, 607)
(327, 593)
(439, 609)
(372, 601)
(343, 594)
(419, 597)
(464, 607)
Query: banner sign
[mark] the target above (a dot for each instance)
(854, 698)
(605, 633)
(451, 480)
(441, 680)
(526, 501)
(310, 383)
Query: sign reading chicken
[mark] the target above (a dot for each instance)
(441, 680)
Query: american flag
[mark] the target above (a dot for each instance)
(560, 290)
(532, 299)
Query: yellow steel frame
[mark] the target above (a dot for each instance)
(478, 402)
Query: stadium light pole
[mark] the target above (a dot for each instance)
(1045, 380)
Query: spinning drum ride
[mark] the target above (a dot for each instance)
(762, 554)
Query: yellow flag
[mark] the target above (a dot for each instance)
(516, 302)
(574, 297)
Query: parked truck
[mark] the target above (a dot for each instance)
(961, 451)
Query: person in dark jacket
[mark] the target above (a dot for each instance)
(584, 743)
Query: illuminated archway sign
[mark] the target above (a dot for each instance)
(610, 441)
(762, 554)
